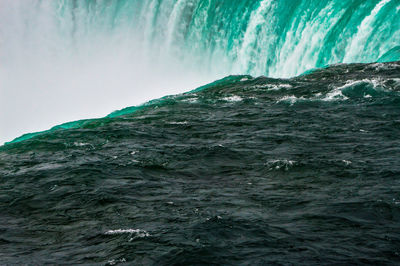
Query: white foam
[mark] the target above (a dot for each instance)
(272, 86)
(396, 202)
(384, 66)
(280, 164)
(334, 95)
(233, 98)
(178, 123)
(81, 144)
(114, 261)
(290, 99)
(337, 93)
(191, 100)
(136, 232)
(347, 162)
(351, 83)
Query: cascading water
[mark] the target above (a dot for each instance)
(70, 59)
(297, 166)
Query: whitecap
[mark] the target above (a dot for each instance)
(285, 86)
(347, 162)
(191, 100)
(137, 233)
(82, 144)
(272, 86)
(334, 95)
(337, 92)
(178, 123)
(233, 98)
(290, 99)
(280, 164)
(114, 261)
(383, 66)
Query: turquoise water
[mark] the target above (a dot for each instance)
(209, 39)
(262, 37)
(291, 156)
(258, 37)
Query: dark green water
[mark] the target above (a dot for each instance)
(252, 171)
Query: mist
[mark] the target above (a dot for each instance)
(53, 72)
(65, 60)
(36, 96)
